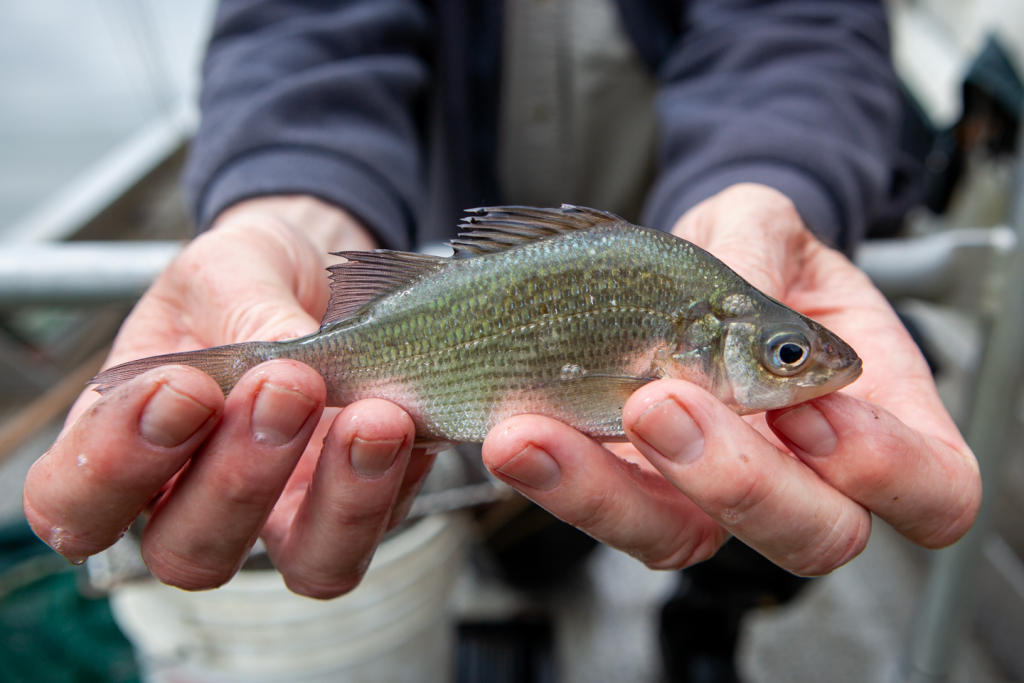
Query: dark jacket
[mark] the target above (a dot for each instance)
(366, 103)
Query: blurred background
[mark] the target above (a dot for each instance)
(97, 105)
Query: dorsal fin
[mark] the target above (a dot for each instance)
(497, 228)
(369, 275)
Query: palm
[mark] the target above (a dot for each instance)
(262, 288)
(227, 289)
(321, 486)
(834, 292)
(800, 486)
(770, 247)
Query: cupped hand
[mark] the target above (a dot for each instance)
(798, 484)
(320, 486)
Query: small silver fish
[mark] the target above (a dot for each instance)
(558, 312)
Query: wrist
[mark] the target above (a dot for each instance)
(759, 211)
(276, 246)
(325, 226)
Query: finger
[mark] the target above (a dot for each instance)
(415, 474)
(584, 484)
(243, 281)
(278, 298)
(85, 491)
(767, 498)
(201, 531)
(928, 490)
(82, 404)
(340, 521)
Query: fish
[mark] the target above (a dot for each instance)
(558, 312)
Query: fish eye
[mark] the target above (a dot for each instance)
(790, 353)
(786, 352)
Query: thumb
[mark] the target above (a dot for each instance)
(753, 229)
(257, 281)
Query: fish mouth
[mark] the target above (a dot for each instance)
(844, 377)
(840, 378)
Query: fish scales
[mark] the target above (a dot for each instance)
(489, 329)
(578, 311)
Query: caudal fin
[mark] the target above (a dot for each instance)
(225, 364)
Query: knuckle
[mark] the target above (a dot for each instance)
(690, 550)
(318, 576)
(594, 512)
(837, 545)
(246, 322)
(950, 526)
(358, 515)
(322, 588)
(880, 469)
(241, 489)
(743, 498)
(183, 572)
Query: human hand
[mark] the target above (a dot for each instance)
(219, 472)
(797, 484)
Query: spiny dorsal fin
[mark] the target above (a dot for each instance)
(369, 275)
(497, 228)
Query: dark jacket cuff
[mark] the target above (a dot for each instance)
(339, 180)
(817, 210)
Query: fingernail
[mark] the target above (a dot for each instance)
(371, 459)
(278, 414)
(171, 417)
(808, 430)
(534, 468)
(671, 431)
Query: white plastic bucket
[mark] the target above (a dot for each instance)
(392, 628)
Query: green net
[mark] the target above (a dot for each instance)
(49, 631)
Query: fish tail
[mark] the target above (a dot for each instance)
(225, 364)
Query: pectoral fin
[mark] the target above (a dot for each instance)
(592, 403)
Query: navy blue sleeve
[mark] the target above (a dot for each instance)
(799, 95)
(318, 98)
